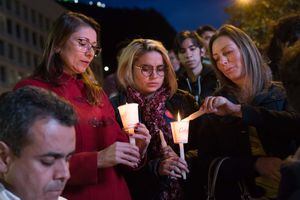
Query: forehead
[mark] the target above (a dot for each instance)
(87, 32)
(207, 33)
(48, 135)
(186, 43)
(150, 57)
(222, 42)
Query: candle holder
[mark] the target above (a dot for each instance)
(180, 132)
(130, 117)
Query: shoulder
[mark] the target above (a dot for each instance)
(31, 81)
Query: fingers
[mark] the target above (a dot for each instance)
(173, 167)
(211, 103)
(127, 154)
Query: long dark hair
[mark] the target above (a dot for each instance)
(51, 66)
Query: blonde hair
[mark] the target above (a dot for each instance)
(256, 70)
(136, 49)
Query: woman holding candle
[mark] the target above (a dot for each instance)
(146, 77)
(102, 148)
(255, 153)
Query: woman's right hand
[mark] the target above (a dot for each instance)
(173, 167)
(119, 153)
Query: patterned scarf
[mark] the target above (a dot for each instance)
(153, 110)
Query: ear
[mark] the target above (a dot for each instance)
(57, 50)
(5, 157)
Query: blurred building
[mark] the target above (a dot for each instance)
(23, 31)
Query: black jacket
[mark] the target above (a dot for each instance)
(216, 136)
(208, 83)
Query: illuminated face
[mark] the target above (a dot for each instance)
(41, 171)
(149, 72)
(190, 55)
(229, 59)
(79, 50)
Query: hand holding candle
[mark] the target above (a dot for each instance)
(180, 131)
(130, 117)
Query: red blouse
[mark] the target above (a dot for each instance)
(96, 129)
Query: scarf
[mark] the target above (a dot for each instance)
(153, 111)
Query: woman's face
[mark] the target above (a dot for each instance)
(149, 72)
(229, 59)
(79, 50)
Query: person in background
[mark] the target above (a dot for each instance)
(290, 172)
(206, 32)
(255, 153)
(37, 140)
(199, 79)
(175, 63)
(146, 77)
(102, 148)
(285, 33)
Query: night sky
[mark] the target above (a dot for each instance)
(181, 14)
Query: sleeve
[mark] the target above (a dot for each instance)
(283, 122)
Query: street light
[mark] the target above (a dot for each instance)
(244, 2)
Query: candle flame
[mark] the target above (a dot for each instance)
(178, 117)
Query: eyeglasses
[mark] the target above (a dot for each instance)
(84, 46)
(147, 70)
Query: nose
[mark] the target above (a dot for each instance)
(62, 171)
(90, 52)
(223, 60)
(188, 53)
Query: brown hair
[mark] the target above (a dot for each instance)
(51, 66)
(256, 71)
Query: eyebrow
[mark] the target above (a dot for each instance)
(189, 46)
(228, 45)
(56, 155)
(85, 38)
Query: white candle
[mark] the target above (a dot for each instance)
(180, 131)
(130, 117)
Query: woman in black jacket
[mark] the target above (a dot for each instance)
(255, 152)
(146, 77)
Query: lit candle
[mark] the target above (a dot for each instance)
(130, 117)
(180, 131)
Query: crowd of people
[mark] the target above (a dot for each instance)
(62, 137)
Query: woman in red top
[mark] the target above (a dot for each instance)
(102, 148)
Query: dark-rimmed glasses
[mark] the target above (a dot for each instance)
(84, 46)
(147, 70)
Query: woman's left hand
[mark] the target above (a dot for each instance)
(220, 106)
(142, 137)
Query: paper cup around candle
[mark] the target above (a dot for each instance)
(180, 131)
(129, 116)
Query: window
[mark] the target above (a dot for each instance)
(11, 51)
(41, 24)
(35, 60)
(34, 39)
(8, 4)
(33, 16)
(2, 48)
(28, 60)
(26, 35)
(20, 55)
(42, 42)
(3, 74)
(18, 31)
(25, 12)
(9, 26)
(47, 21)
(17, 8)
